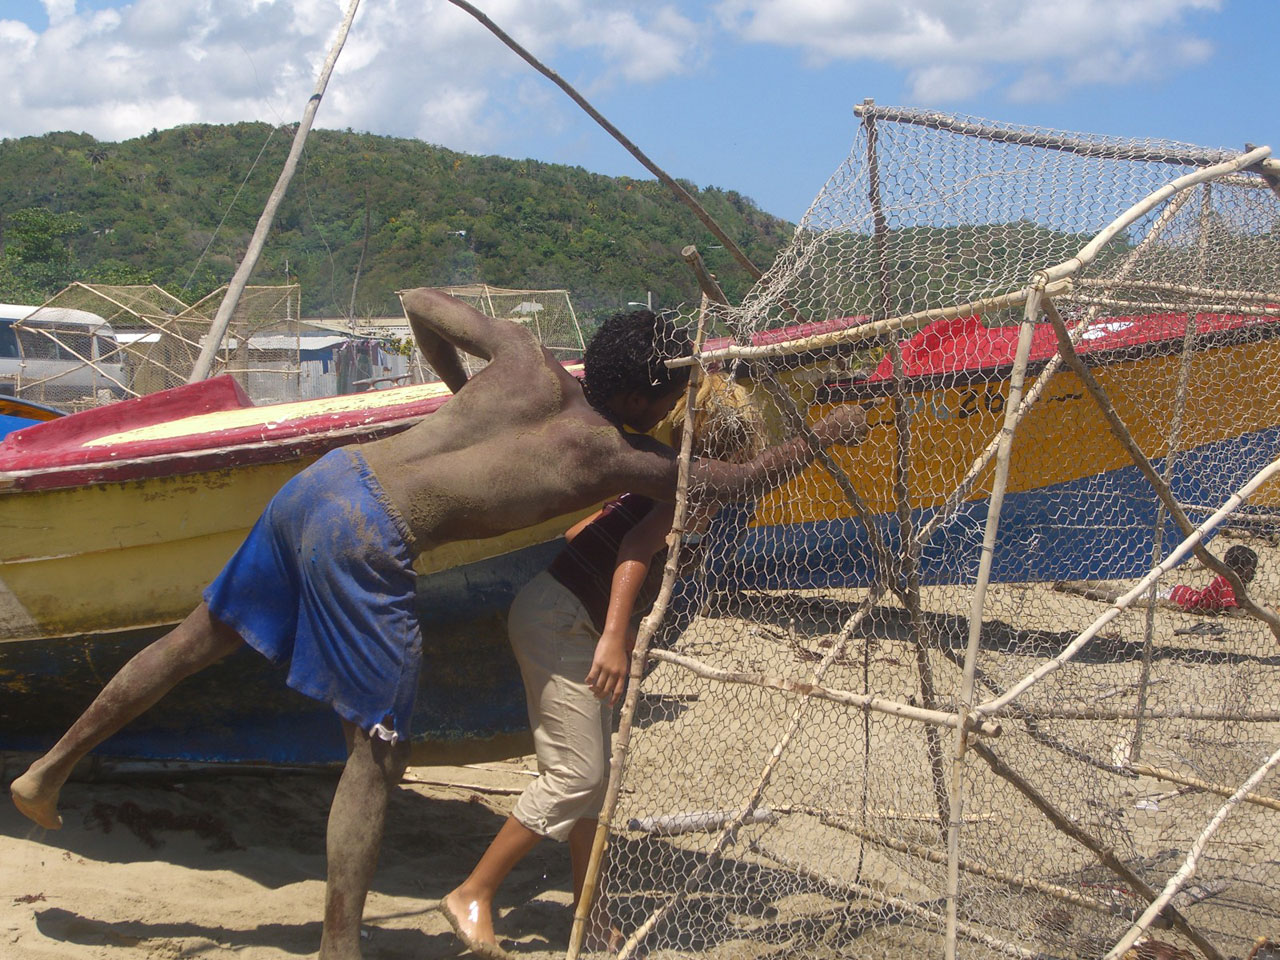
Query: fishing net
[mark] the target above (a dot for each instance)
(929, 696)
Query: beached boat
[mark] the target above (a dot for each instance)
(1076, 507)
(116, 518)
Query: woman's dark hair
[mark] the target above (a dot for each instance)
(627, 353)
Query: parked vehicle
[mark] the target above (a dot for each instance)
(60, 356)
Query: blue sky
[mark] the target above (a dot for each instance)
(752, 95)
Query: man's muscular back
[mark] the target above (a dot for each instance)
(517, 444)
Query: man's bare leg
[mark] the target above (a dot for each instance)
(601, 933)
(190, 646)
(356, 821)
(469, 907)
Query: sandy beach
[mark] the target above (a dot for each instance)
(218, 865)
(233, 863)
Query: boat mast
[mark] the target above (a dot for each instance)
(222, 319)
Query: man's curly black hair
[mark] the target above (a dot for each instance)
(627, 353)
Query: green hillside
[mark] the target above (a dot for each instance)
(394, 212)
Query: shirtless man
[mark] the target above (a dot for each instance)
(324, 582)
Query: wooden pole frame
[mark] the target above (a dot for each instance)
(859, 701)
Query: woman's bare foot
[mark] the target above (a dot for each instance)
(36, 800)
(603, 937)
(473, 924)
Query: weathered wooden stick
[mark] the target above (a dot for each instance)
(866, 331)
(1165, 713)
(648, 626)
(227, 308)
(684, 196)
(877, 704)
(999, 485)
(1148, 203)
(1188, 868)
(1189, 307)
(1106, 856)
(1121, 432)
(1242, 296)
(1221, 789)
(896, 903)
(706, 282)
(1078, 145)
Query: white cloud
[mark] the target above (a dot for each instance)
(411, 67)
(952, 50)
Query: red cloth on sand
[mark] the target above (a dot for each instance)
(1218, 595)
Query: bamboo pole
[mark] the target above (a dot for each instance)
(1185, 289)
(897, 903)
(1167, 713)
(730, 833)
(226, 309)
(1106, 856)
(1221, 789)
(1118, 606)
(879, 224)
(1188, 868)
(1152, 200)
(1081, 146)
(877, 704)
(999, 484)
(684, 196)
(648, 626)
(868, 331)
(1253, 310)
(1122, 434)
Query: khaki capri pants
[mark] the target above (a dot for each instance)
(554, 642)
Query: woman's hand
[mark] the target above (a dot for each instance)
(608, 676)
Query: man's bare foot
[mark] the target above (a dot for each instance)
(473, 925)
(36, 801)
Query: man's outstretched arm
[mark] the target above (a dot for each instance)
(651, 468)
(442, 325)
(728, 481)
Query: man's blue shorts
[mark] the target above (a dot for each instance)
(324, 582)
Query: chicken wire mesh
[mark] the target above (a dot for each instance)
(92, 344)
(932, 694)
